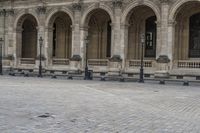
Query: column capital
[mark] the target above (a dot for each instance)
(49, 29)
(41, 9)
(172, 23)
(158, 23)
(124, 26)
(85, 28)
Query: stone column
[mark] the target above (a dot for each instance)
(117, 48)
(76, 29)
(171, 42)
(17, 42)
(158, 39)
(163, 59)
(116, 25)
(75, 61)
(124, 44)
(83, 36)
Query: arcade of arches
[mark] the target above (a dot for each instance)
(171, 30)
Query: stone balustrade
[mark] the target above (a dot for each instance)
(60, 61)
(188, 64)
(27, 61)
(98, 62)
(137, 63)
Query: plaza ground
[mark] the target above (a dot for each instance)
(35, 105)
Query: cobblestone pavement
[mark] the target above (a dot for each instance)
(34, 105)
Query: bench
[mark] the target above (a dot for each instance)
(21, 71)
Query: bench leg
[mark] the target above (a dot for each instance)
(185, 83)
(103, 78)
(70, 77)
(53, 77)
(162, 82)
(26, 75)
(12, 74)
(122, 79)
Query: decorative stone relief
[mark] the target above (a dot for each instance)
(163, 59)
(117, 3)
(77, 5)
(76, 58)
(41, 9)
(7, 12)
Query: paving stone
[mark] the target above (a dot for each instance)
(79, 106)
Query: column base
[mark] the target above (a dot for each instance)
(162, 74)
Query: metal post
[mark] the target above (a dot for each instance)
(40, 65)
(1, 43)
(86, 58)
(141, 80)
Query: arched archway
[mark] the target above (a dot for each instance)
(99, 33)
(187, 31)
(60, 38)
(27, 39)
(141, 19)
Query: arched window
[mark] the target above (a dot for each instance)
(150, 47)
(194, 41)
(29, 39)
(99, 33)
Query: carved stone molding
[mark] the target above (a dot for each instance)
(7, 12)
(117, 3)
(163, 59)
(172, 23)
(77, 5)
(165, 1)
(41, 9)
(76, 58)
(115, 58)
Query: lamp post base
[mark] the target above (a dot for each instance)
(141, 80)
(40, 72)
(86, 74)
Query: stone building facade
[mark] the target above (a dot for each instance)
(113, 30)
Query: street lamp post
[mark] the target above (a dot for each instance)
(86, 58)
(141, 80)
(40, 65)
(1, 43)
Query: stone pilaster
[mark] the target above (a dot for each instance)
(116, 25)
(75, 61)
(171, 41)
(76, 29)
(117, 48)
(41, 11)
(163, 57)
(124, 43)
(83, 36)
(164, 27)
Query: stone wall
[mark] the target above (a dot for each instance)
(80, 12)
